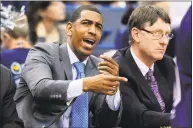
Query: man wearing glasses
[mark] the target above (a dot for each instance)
(147, 96)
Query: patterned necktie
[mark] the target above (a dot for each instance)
(154, 87)
(80, 105)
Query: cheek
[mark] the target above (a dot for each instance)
(5, 40)
(5, 43)
(147, 49)
(99, 34)
(54, 15)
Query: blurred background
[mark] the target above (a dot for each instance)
(115, 16)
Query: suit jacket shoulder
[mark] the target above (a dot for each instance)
(47, 48)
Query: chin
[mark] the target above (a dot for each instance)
(87, 53)
(159, 57)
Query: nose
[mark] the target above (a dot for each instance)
(164, 40)
(92, 29)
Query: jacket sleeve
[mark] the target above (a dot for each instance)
(104, 117)
(38, 74)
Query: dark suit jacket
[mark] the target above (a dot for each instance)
(8, 113)
(42, 93)
(140, 107)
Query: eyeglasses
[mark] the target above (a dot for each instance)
(158, 35)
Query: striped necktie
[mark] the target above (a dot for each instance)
(154, 87)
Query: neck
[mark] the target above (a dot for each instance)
(143, 57)
(13, 44)
(20, 43)
(49, 25)
(82, 58)
(79, 55)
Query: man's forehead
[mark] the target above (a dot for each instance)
(91, 15)
(159, 25)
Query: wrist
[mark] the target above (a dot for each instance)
(85, 85)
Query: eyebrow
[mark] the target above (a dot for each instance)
(97, 23)
(160, 30)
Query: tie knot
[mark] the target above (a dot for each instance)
(150, 73)
(150, 76)
(80, 67)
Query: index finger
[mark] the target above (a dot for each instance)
(123, 79)
(118, 78)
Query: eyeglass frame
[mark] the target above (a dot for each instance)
(161, 35)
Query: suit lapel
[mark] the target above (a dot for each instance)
(162, 84)
(65, 61)
(138, 77)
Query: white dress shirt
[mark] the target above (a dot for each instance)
(75, 90)
(143, 68)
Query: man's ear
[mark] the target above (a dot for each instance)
(135, 34)
(69, 28)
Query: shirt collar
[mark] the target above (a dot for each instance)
(73, 57)
(143, 68)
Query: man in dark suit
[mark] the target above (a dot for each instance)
(8, 113)
(54, 91)
(147, 96)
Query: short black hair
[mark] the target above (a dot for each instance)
(145, 14)
(77, 12)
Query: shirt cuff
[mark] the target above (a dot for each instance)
(114, 101)
(75, 89)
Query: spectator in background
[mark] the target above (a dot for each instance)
(16, 37)
(14, 28)
(43, 19)
(15, 41)
(163, 5)
(8, 113)
(122, 37)
(182, 117)
(102, 3)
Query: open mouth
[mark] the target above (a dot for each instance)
(89, 41)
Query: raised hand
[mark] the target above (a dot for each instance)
(108, 66)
